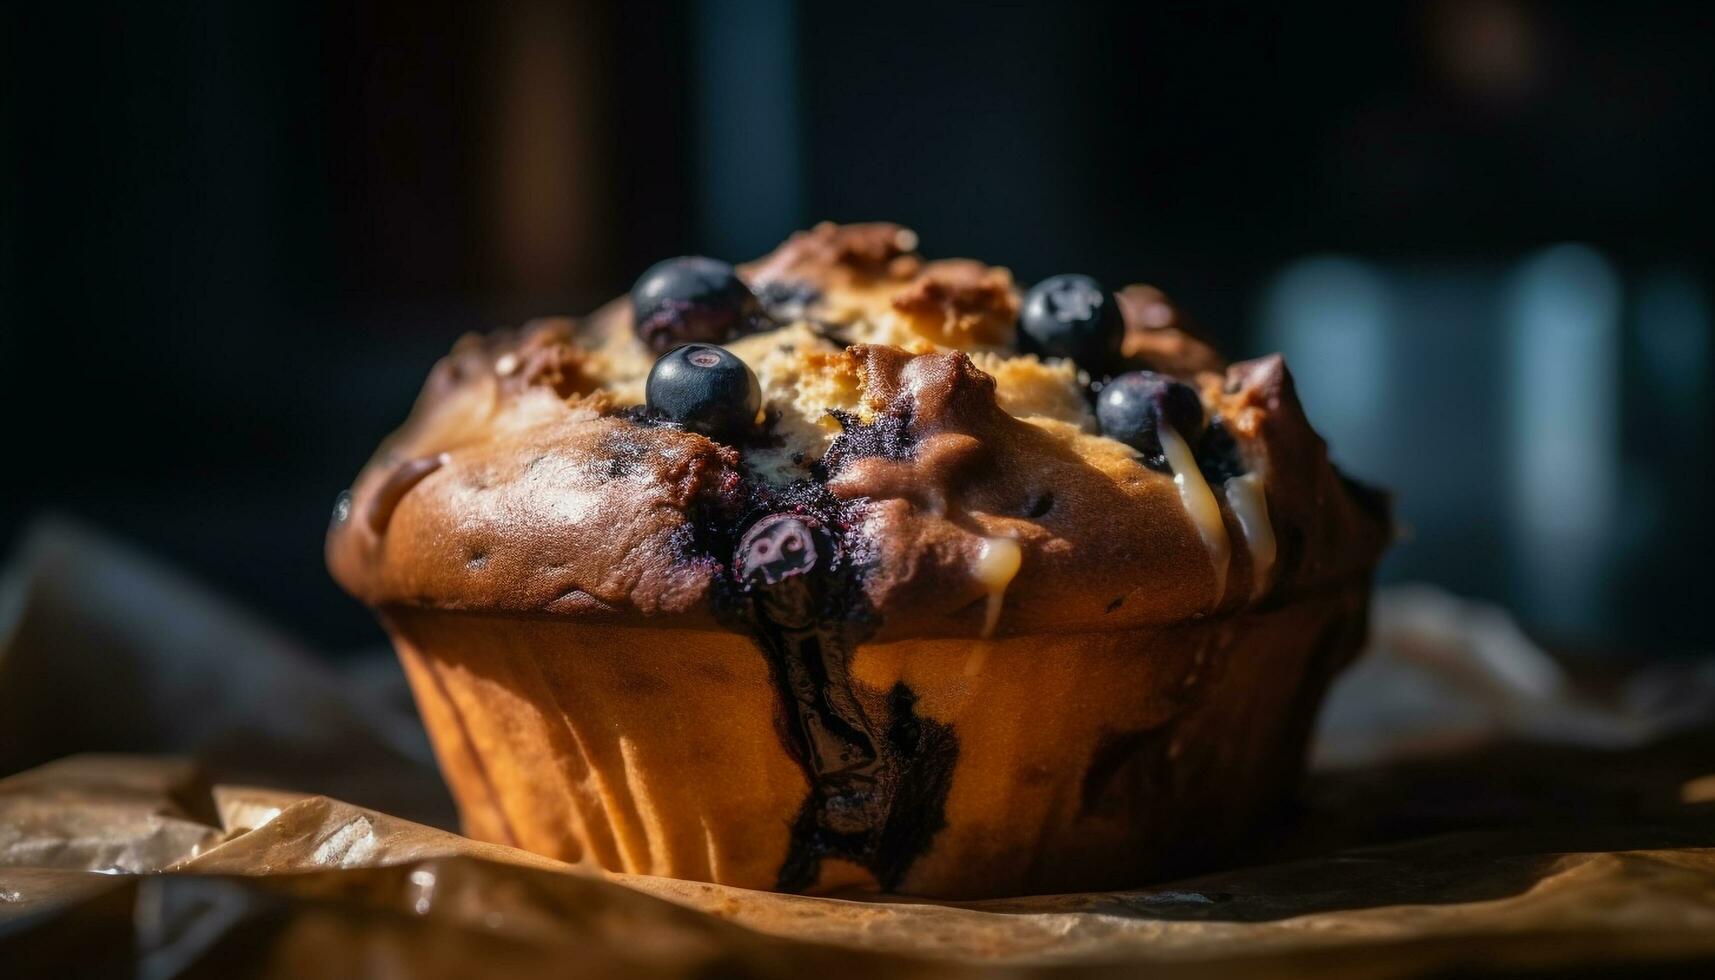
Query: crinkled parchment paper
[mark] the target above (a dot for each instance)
(1474, 812)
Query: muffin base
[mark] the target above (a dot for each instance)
(1084, 761)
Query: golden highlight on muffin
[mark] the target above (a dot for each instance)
(848, 569)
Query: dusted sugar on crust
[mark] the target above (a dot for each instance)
(967, 482)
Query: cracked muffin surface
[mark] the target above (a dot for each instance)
(531, 478)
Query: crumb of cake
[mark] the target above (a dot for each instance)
(960, 303)
(1028, 386)
(551, 360)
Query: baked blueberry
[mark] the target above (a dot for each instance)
(776, 548)
(774, 560)
(786, 300)
(1218, 454)
(1072, 316)
(704, 388)
(341, 508)
(1132, 407)
(690, 299)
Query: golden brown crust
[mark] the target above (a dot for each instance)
(1159, 336)
(547, 357)
(545, 496)
(960, 303)
(1330, 528)
(978, 473)
(573, 514)
(830, 254)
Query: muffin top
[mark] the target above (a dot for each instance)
(962, 457)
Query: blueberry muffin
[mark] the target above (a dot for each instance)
(846, 569)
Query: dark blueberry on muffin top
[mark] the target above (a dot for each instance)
(706, 389)
(691, 299)
(1072, 316)
(1132, 407)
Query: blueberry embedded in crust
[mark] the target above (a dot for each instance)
(704, 388)
(787, 300)
(690, 299)
(1132, 407)
(341, 509)
(1072, 316)
(776, 548)
(1218, 454)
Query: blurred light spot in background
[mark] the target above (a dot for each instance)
(1667, 474)
(1673, 347)
(1563, 423)
(1540, 422)
(1491, 50)
(746, 90)
(546, 205)
(1331, 316)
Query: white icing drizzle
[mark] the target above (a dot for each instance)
(1249, 504)
(996, 566)
(1199, 503)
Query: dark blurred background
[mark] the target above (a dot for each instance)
(234, 237)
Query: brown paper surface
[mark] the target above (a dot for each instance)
(1496, 819)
